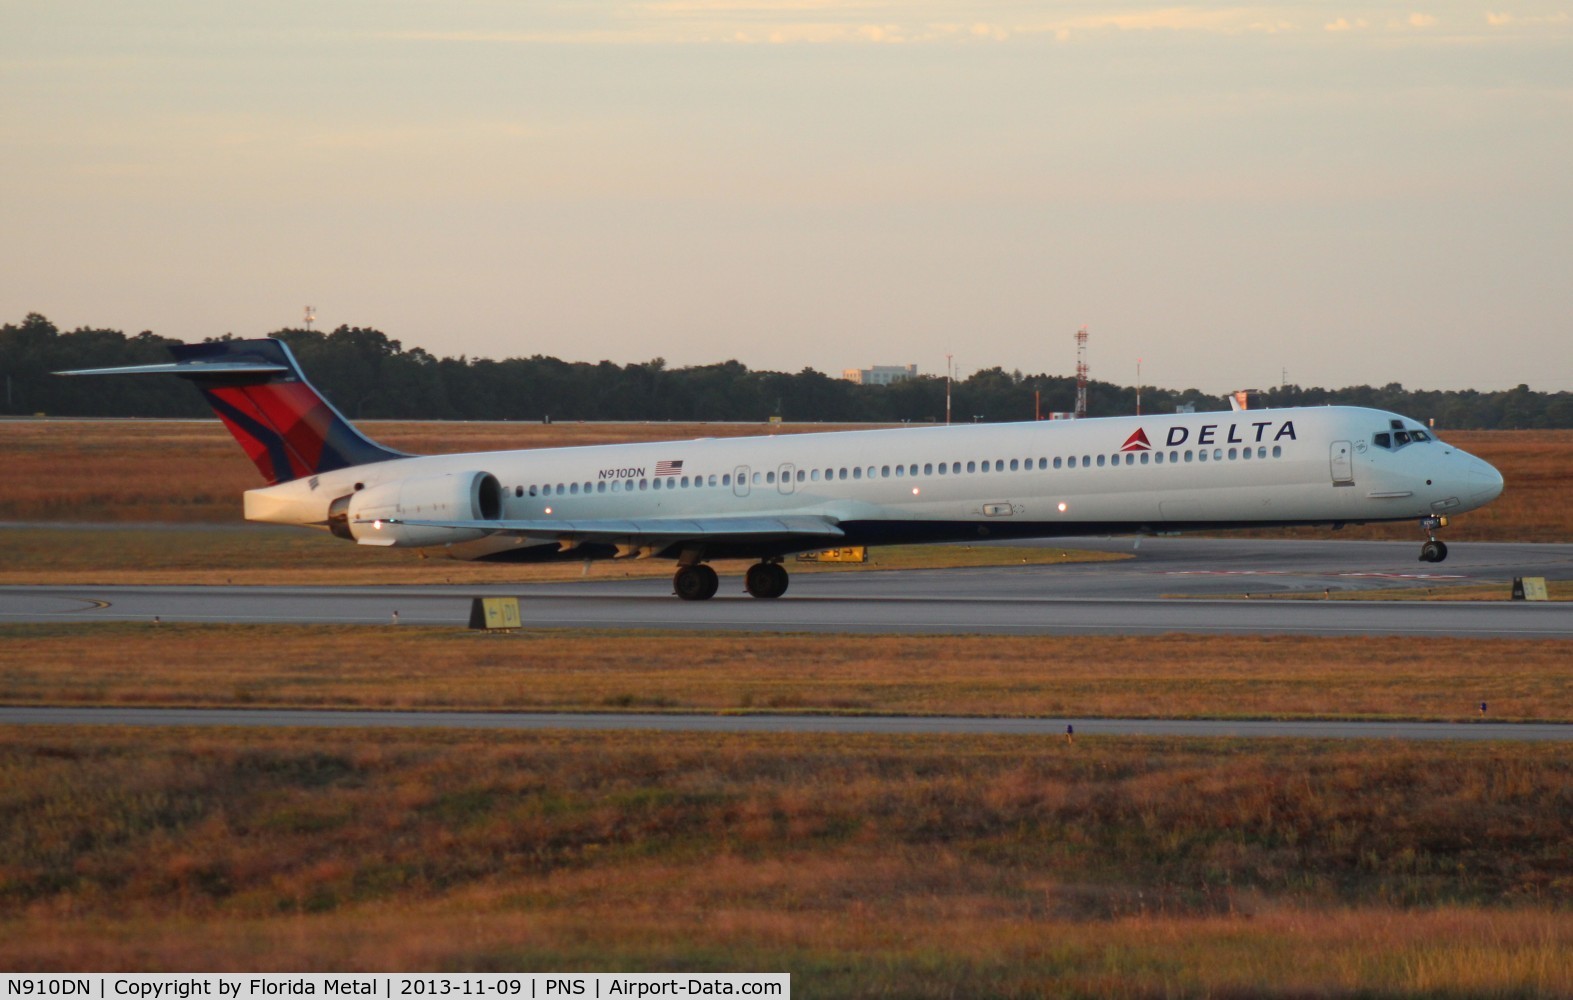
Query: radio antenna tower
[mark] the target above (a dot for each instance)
(311, 316)
(1081, 373)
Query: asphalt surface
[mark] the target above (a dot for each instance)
(1171, 585)
(885, 725)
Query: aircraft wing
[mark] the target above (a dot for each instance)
(655, 530)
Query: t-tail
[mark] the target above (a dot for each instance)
(257, 389)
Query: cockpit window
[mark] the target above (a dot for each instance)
(1399, 437)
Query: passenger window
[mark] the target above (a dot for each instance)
(884, 472)
(1147, 458)
(842, 474)
(685, 482)
(1086, 461)
(982, 466)
(770, 477)
(800, 475)
(912, 469)
(1217, 454)
(816, 475)
(644, 484)
(1100, 461)
(901, 470)
(1233, 454)
(1073, 461)
(1157, 456)
(1278, 451)
(1245, 453)
(1201, 456)
(600, 487)
(943, 468)
(999, 466)
(712, 479)
(1130, 458)
(757, 478)
(928, 468)
(1056, 462)
(857, 473)
(1013, 466)
(726, 479)
(972, 466)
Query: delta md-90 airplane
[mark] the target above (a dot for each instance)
(763, 498)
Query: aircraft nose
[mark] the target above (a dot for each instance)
(1485, 482)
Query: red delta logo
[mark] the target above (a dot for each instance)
(1137, 442)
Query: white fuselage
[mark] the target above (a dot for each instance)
(1149, 473)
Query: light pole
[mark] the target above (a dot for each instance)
(948, 370)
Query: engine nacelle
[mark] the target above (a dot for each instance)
(462, 496)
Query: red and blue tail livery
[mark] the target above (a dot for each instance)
(256, 388)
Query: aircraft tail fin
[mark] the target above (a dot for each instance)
(256, 388)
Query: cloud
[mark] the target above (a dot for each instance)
(1505, 20)
(1422, 21)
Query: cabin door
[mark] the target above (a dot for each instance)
(740, 480)
(784, 478)
(1343, 464)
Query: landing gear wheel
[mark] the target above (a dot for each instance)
(1433, 551)
(767, 580)
(695, 583)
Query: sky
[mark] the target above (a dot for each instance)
(1228, 196)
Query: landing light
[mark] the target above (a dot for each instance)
(914, 491)
(548, 510)
(377, 525)
(1062, 508)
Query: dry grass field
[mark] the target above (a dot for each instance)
(192, 471)
(867, 866)
(404, 667)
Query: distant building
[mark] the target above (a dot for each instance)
(880, 374)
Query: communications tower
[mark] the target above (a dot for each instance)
(1081, 373)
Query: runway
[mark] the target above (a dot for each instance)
(1171, 585)
(878, 725)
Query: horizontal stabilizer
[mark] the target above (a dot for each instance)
(196, 367)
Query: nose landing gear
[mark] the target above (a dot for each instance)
(1434, 550)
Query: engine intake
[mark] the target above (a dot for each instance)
(465, 496)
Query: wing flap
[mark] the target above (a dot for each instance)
(651, 530)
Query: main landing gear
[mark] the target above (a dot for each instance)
(766, 579)
(1434, 550)
(698, 582)
(695, 583)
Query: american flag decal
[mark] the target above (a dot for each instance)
(669, 468)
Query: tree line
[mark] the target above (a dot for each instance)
(371, 376)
